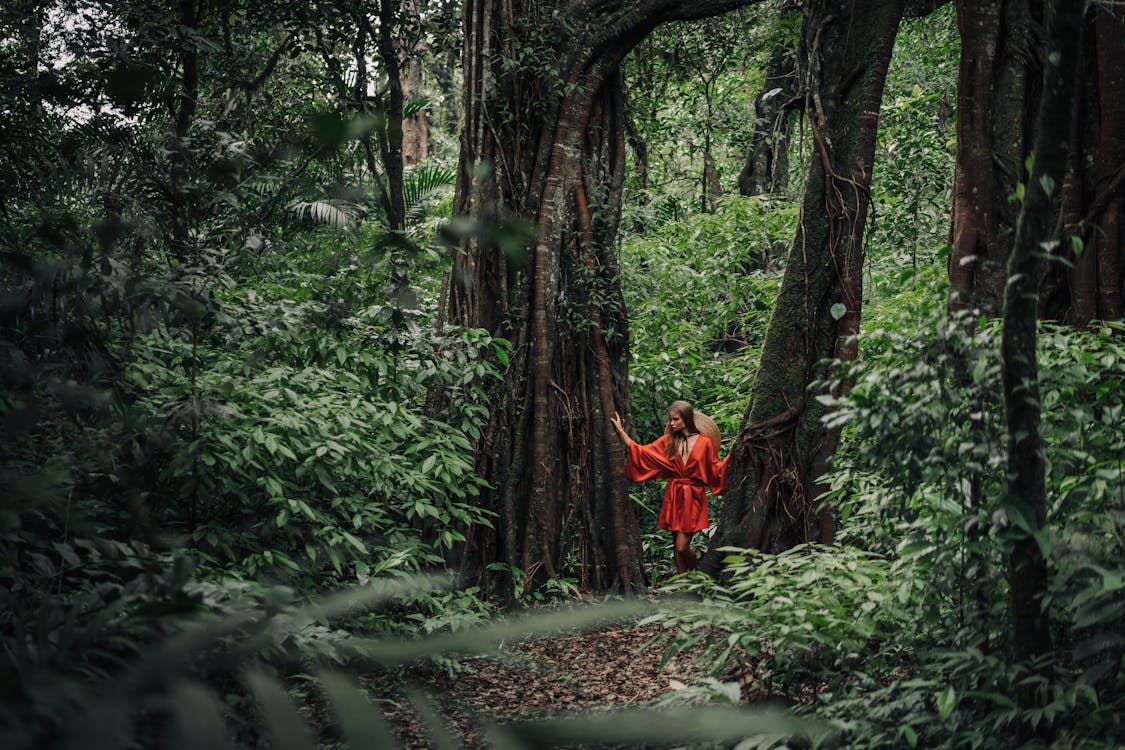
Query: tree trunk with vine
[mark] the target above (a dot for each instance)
(782, 449)
(543, 144)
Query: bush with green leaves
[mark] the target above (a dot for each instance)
(923, 473)
(290, 432)
(927, 402)
(810, 616)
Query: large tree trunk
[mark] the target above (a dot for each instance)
(1090, 286)
(545, 146)
(1036, 227)
(998, 94)
(783, 448)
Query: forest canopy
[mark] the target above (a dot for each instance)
(315, 319)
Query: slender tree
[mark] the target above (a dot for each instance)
(783, 447)
(373, 92)
(183, 116)
(543, 144)
(1036, 233)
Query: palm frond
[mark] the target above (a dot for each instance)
(414, 106)
(336, 214)
(422, 184)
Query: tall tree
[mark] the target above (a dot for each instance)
(998, 93)
(1036, 231)
(1092, 285)
(543, 143)
(183, 116)
(783, 447)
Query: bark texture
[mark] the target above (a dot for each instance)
(1089, 285)
(416, 127)
(999, 87)
(782, 448)
(543, 143)
(1036, 229)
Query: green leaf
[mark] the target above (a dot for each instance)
(946, 702)
(360, 718)
(197, 719)
(282, 721)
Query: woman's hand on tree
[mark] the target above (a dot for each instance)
(615, 420)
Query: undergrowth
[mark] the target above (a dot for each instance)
(900, 634)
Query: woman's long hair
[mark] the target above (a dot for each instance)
(676, 440)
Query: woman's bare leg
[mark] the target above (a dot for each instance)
(682, 554)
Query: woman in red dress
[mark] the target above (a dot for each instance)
(690, 462)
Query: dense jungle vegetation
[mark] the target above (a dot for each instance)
(314, 314)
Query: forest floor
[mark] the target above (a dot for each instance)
(616, 666)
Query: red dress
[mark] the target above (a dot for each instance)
(685, 499)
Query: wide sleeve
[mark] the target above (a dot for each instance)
(648, 461)
(713, 470)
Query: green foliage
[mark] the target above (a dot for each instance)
(551, 591)
(923, 478)
(422, 186)
(811, 615)
(193, 367)
(690, 86)
(296, 451)
(699, 293)
(911, 189)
